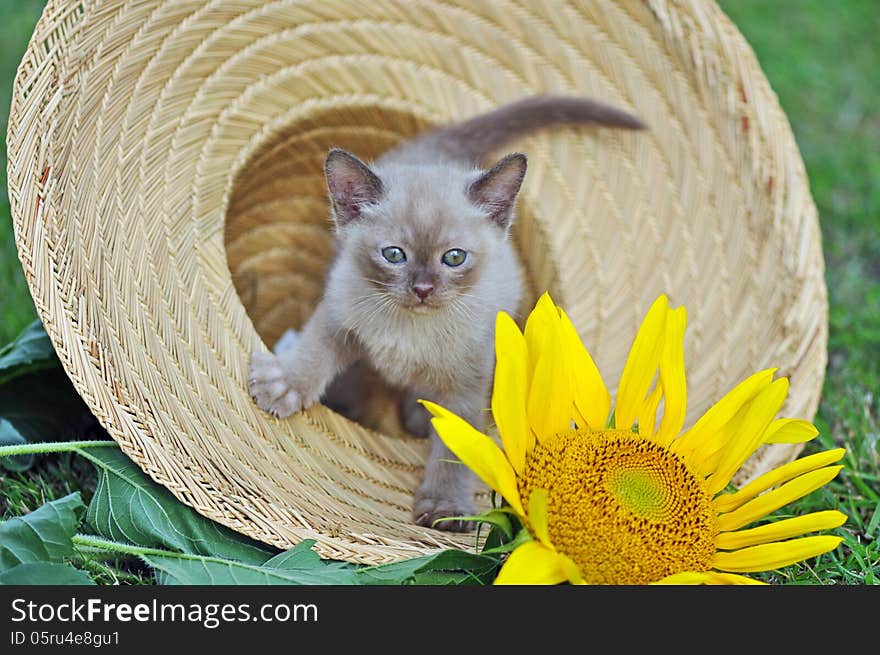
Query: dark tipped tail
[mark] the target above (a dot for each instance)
(477, 137)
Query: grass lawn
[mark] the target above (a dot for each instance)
(822, 60)
(17, 20)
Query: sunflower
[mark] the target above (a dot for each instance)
(625, 497)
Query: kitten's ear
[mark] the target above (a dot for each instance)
(351, 183)
(496, 189)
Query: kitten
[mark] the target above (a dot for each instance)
(424, 262)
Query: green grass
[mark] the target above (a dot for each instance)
(822, 60)
(17, 20)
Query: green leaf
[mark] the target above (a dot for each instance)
(497, 518)
(302, 556)
(44, 573)
(43, 535)
(174, 570)
(128, 506)
(296, 566)
(25, 405)
(448, 567)
(508, 546)
(31, 351)
(31, 383)
(9, 436)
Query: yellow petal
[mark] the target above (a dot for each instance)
(570, 569)
(790, 430)
(672, 377)
(772, 500)
(550, 400)
(768, 557)
(779, 530)
(704, 434)
(750, 434)
(775, 477)
(709, 462)
(476, 451)
(530, 564)
(648, 412)
(706, 458)
(510, 391)
(591, 397)
(540, 325)
(706, 577)
(538, 516)
(641, 364)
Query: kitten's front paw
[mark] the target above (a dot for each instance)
(271, 388)
(428, 509)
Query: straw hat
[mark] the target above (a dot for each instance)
(165, 175)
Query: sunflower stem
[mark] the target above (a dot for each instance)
(53, 447)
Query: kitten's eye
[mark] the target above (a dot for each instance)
(394, 254)
(454, 257)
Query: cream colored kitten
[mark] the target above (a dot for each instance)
(424, 263)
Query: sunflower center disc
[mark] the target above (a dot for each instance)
(625, 509)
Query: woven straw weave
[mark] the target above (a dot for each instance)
(165, 164)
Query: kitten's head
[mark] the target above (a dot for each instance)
(421, 235)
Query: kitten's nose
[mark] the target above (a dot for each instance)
(423, 289)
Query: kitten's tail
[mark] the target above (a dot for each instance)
(477, 137)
